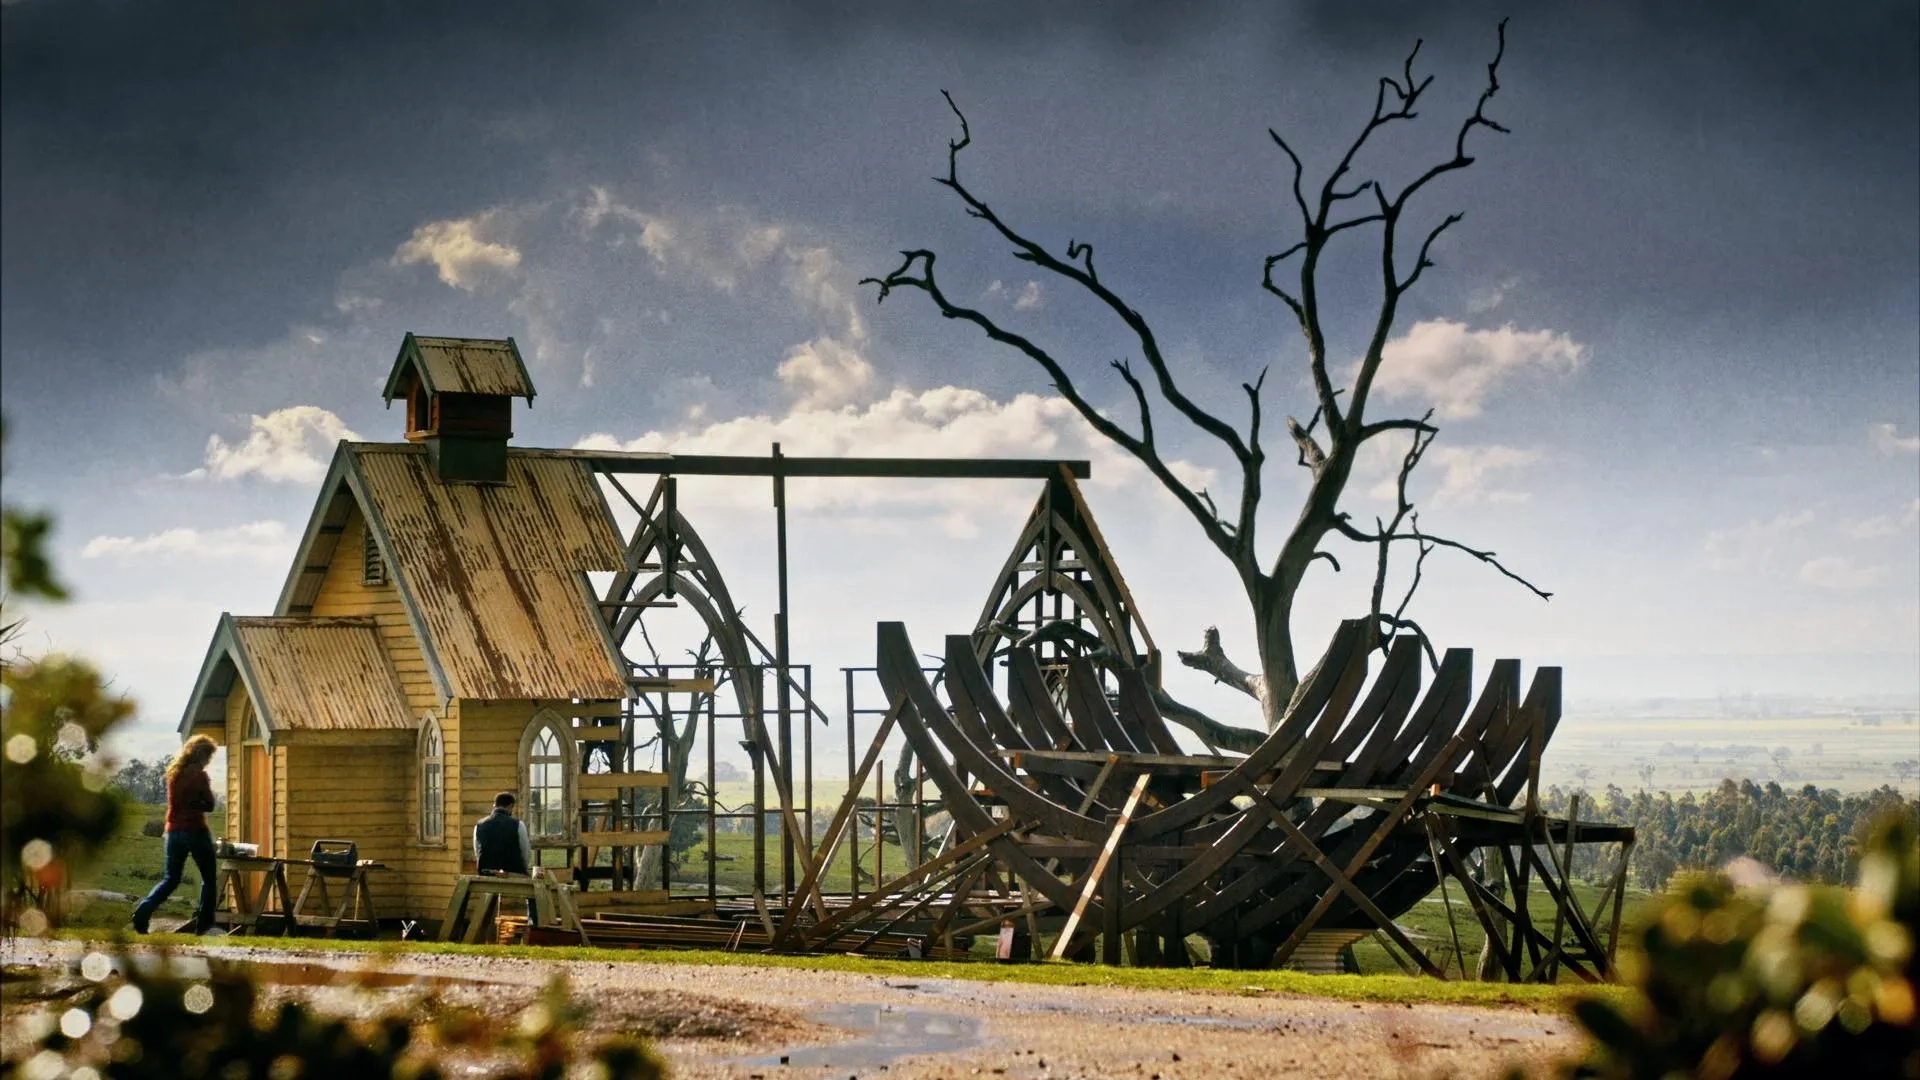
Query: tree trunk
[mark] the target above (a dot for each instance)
(1273, 636)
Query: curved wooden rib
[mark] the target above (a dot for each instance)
(1031, 703)
(1543, 699)
(1140, 714)
(1394, 692)
(895, 652)
(1087, 704)
(1330, 687)
(900, 676)
(973, 699)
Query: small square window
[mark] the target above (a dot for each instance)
(373, 568)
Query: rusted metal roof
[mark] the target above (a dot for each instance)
(495, 573)
(320, 674)
(304, 673)
(461, 366)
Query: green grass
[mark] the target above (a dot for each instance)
(733, 872)
(1394, 989)
(130, 864)
(1426, 923)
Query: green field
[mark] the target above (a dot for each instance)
(129, 866)
(1690, 746)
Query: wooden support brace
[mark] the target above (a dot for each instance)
(1099, 867)
(1388, 823)
(832, 927)
(809, 889)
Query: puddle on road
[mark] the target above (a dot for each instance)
(888, 1033)
(286, 972)
(297, 973)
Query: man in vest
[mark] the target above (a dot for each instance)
(500, 841)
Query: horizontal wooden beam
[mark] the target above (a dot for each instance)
(649, 838)
(908, 468)
(649, 685)
(597, 732)
(606, 785)
(594, 899)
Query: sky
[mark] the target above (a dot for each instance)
(1673, 346)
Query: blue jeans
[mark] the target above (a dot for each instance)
(199, 844)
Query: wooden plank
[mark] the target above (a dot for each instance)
(1100, 866)
(837, 925)
(607, 785)
(830, 841)
(597, 732)
(671, 686)
(646, 838)
(596, 899)
(594, 708)
(1194, 762)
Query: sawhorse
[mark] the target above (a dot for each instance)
(552, 903)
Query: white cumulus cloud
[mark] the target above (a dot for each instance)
(462, 251)
(826, 374)
(1470, 474)
(1883, 524)
(1839, 572)
(258, 541)
(1454, 368)
(1029, 297)
(289, 445)
(1887, 439)
(947, 421)
(1462, 475)
(1752, 544)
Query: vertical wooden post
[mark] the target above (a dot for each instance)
(713, 805)
(853, 798)
(758, 754)
(1110, 890)
(782, 659)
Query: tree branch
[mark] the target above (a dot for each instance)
(1344, 526)
(1028, 251)
(1140, 396)
(905, 276)
(1212, 660)
(1217, 735)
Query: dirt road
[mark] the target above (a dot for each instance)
(781, 1023)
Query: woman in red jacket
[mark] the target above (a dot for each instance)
(189, 798)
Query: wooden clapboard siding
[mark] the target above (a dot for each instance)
(344, 592)
(357, 794)
(278, 769)
(236, 733)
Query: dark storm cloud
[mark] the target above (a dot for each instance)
(207, 170)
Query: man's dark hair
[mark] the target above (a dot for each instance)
(503, 800)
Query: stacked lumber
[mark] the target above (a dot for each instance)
(624, 931)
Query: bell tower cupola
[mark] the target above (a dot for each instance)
(459, 394)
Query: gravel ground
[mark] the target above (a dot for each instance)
(740, 1022)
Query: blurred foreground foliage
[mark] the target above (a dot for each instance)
(152, 1017)
(55, 811)
(1784, 980)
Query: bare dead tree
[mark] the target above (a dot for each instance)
(1327, 444)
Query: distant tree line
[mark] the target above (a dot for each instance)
(1807, 834)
